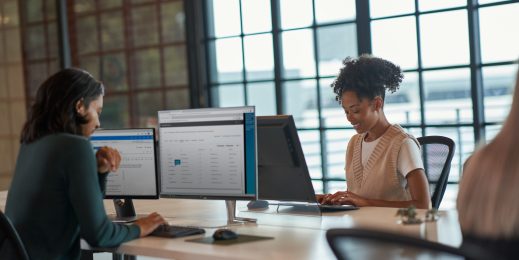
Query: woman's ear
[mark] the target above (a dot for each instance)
(80, 107)
(378, 102)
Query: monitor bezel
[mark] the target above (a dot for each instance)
(157, 175)
(217, 197)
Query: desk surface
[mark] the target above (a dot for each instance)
(296, 236)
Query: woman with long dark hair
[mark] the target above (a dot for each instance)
(56, 192)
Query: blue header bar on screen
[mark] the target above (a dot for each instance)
(121, 137)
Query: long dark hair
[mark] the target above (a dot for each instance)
(54, 110)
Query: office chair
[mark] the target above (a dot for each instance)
(363, 244)
(437, 154)
(11, 246)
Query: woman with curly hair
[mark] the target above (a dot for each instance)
(383, 163)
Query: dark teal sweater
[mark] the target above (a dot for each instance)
(56, 197)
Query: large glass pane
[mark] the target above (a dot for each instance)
(148, 105)
(114, 72)
(497, 24)
(15, 82)
(429, 5)
(442, 46)
(463, 138)
(335, 43)
(334, 10)
(11, 10)
(91, 64)
(18, 116)
(34, 10)
(136, 2)
(4, 114)
(177, 98)
(228, 95)
(109, 4)
(176, 65)
(115, 112)
(3, 48)
(50, 9)
(145, 25)
(380, 8)
(263, 96)
(256, 16)
(290, 18)
(300, 100)
(229, 65)
(298, 54)
(52, 39)
(491, 131)
(489, 1)
(81, 6)
(498, 85)
(387, 46)
(336, 144)
(4, 94)
(86, 34)
(332, 114)
(310, 141)
(112, 31)
(35, 42)
(447, 96)
(6, 163)
(335, 186)
(36, 74)
(173, 21)
(147, 68)
(226, 17)
(13, 50)
(403, 106)
(259, 57)
(318, 187)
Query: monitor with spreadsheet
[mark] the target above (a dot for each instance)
(137, 176)
(208, 153)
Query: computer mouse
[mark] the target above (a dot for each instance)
(258, 204)
(224, 234)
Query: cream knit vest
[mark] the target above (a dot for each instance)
(379, 178)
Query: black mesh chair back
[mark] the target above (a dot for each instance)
(353, 244)
(11, 246)
(437, 153)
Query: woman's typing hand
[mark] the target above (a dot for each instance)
(108, 159)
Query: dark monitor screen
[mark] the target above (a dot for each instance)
(208, 153)
(282, 171)
(137, 176)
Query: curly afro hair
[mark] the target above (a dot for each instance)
(368, 76)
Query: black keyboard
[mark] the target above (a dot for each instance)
(176, 231)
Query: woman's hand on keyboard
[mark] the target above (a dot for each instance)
(150, 223)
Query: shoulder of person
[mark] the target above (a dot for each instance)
(66, 139)
(404, 136)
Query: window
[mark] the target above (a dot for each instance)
(138, 50)
(301, 52)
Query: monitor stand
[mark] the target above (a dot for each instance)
(125, 212)
(231, 214)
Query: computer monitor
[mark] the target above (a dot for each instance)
(283, 175)
(137, 176)
(282, 171)
(209, 153)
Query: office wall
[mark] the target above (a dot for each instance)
(12, 93)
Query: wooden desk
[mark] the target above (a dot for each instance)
(295, 236)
